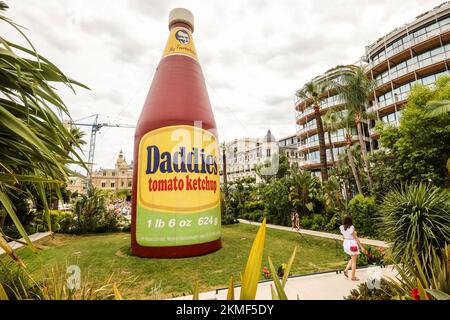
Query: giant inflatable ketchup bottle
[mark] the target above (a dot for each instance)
(176, 185)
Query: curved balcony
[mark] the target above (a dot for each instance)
(419, 66)
(303, 131)
(431, 26)
(315, 144)
(303, 116)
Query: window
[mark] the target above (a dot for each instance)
(268, 152)
(113, 174)
(122, 184)
(103, 184)
(104, 173)
(113, 184)
(129, 184)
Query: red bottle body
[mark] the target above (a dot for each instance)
(176, 190)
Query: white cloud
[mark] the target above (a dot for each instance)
(254, 54)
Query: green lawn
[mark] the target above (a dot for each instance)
(101, 255)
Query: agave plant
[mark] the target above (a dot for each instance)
(423, 282)
(416, 219)
(36, 147)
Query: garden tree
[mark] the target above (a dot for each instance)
(355, 88)
(332, 196)
(240, 193)
(316, 92)
(34, 142)
(276, 200)
(77, 137)
(363, 211)
(283, 168)
(123, 194)
(385, 175)
(346, 121)
(331, 123)
(305, 191)
(420, 143)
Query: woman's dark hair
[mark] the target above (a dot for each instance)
(347, 222)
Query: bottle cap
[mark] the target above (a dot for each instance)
(181, 15)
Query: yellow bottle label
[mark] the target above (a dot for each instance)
(178, 187)
(180, 42)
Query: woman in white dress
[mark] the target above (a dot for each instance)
(351, 245)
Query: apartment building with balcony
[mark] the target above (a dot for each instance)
(308, 138)
(418, 52)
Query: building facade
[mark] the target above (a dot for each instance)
(288, 146)
(242, 155)
(418, 52)
(307, 135)
(118, 178)
(76, 184)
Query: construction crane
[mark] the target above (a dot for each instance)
(95, 127)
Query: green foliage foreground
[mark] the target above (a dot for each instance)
(36, 147)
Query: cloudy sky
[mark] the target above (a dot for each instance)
(254, 54)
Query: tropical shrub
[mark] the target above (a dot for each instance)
(91, 216)
(385, 292)
(275, 195)
(318, 222)
(17, 283)
(305, 192)
(421, 281)
(35, 144)
(415, 218)
(374, 256)
(363, 212)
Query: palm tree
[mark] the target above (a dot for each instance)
(315, 92)
(330, 123)
(304, 190)
(346, 121)
(438, 108)
(354, 88)
(77, 138)
(34, 143)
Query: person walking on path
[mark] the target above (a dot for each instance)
(351, 246)
(296, 221)
(293, 219)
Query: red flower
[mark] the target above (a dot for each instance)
(415, 294)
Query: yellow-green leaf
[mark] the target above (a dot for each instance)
(230, 293)
(117, 295)
(288, 267)
(252, 271)
(422, 293)
(3, 295)
(4, 200)
(280, 291)
(196, 291)
(274, 294)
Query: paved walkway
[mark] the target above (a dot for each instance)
(325, 286)
(34, 237)
(370, 242)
